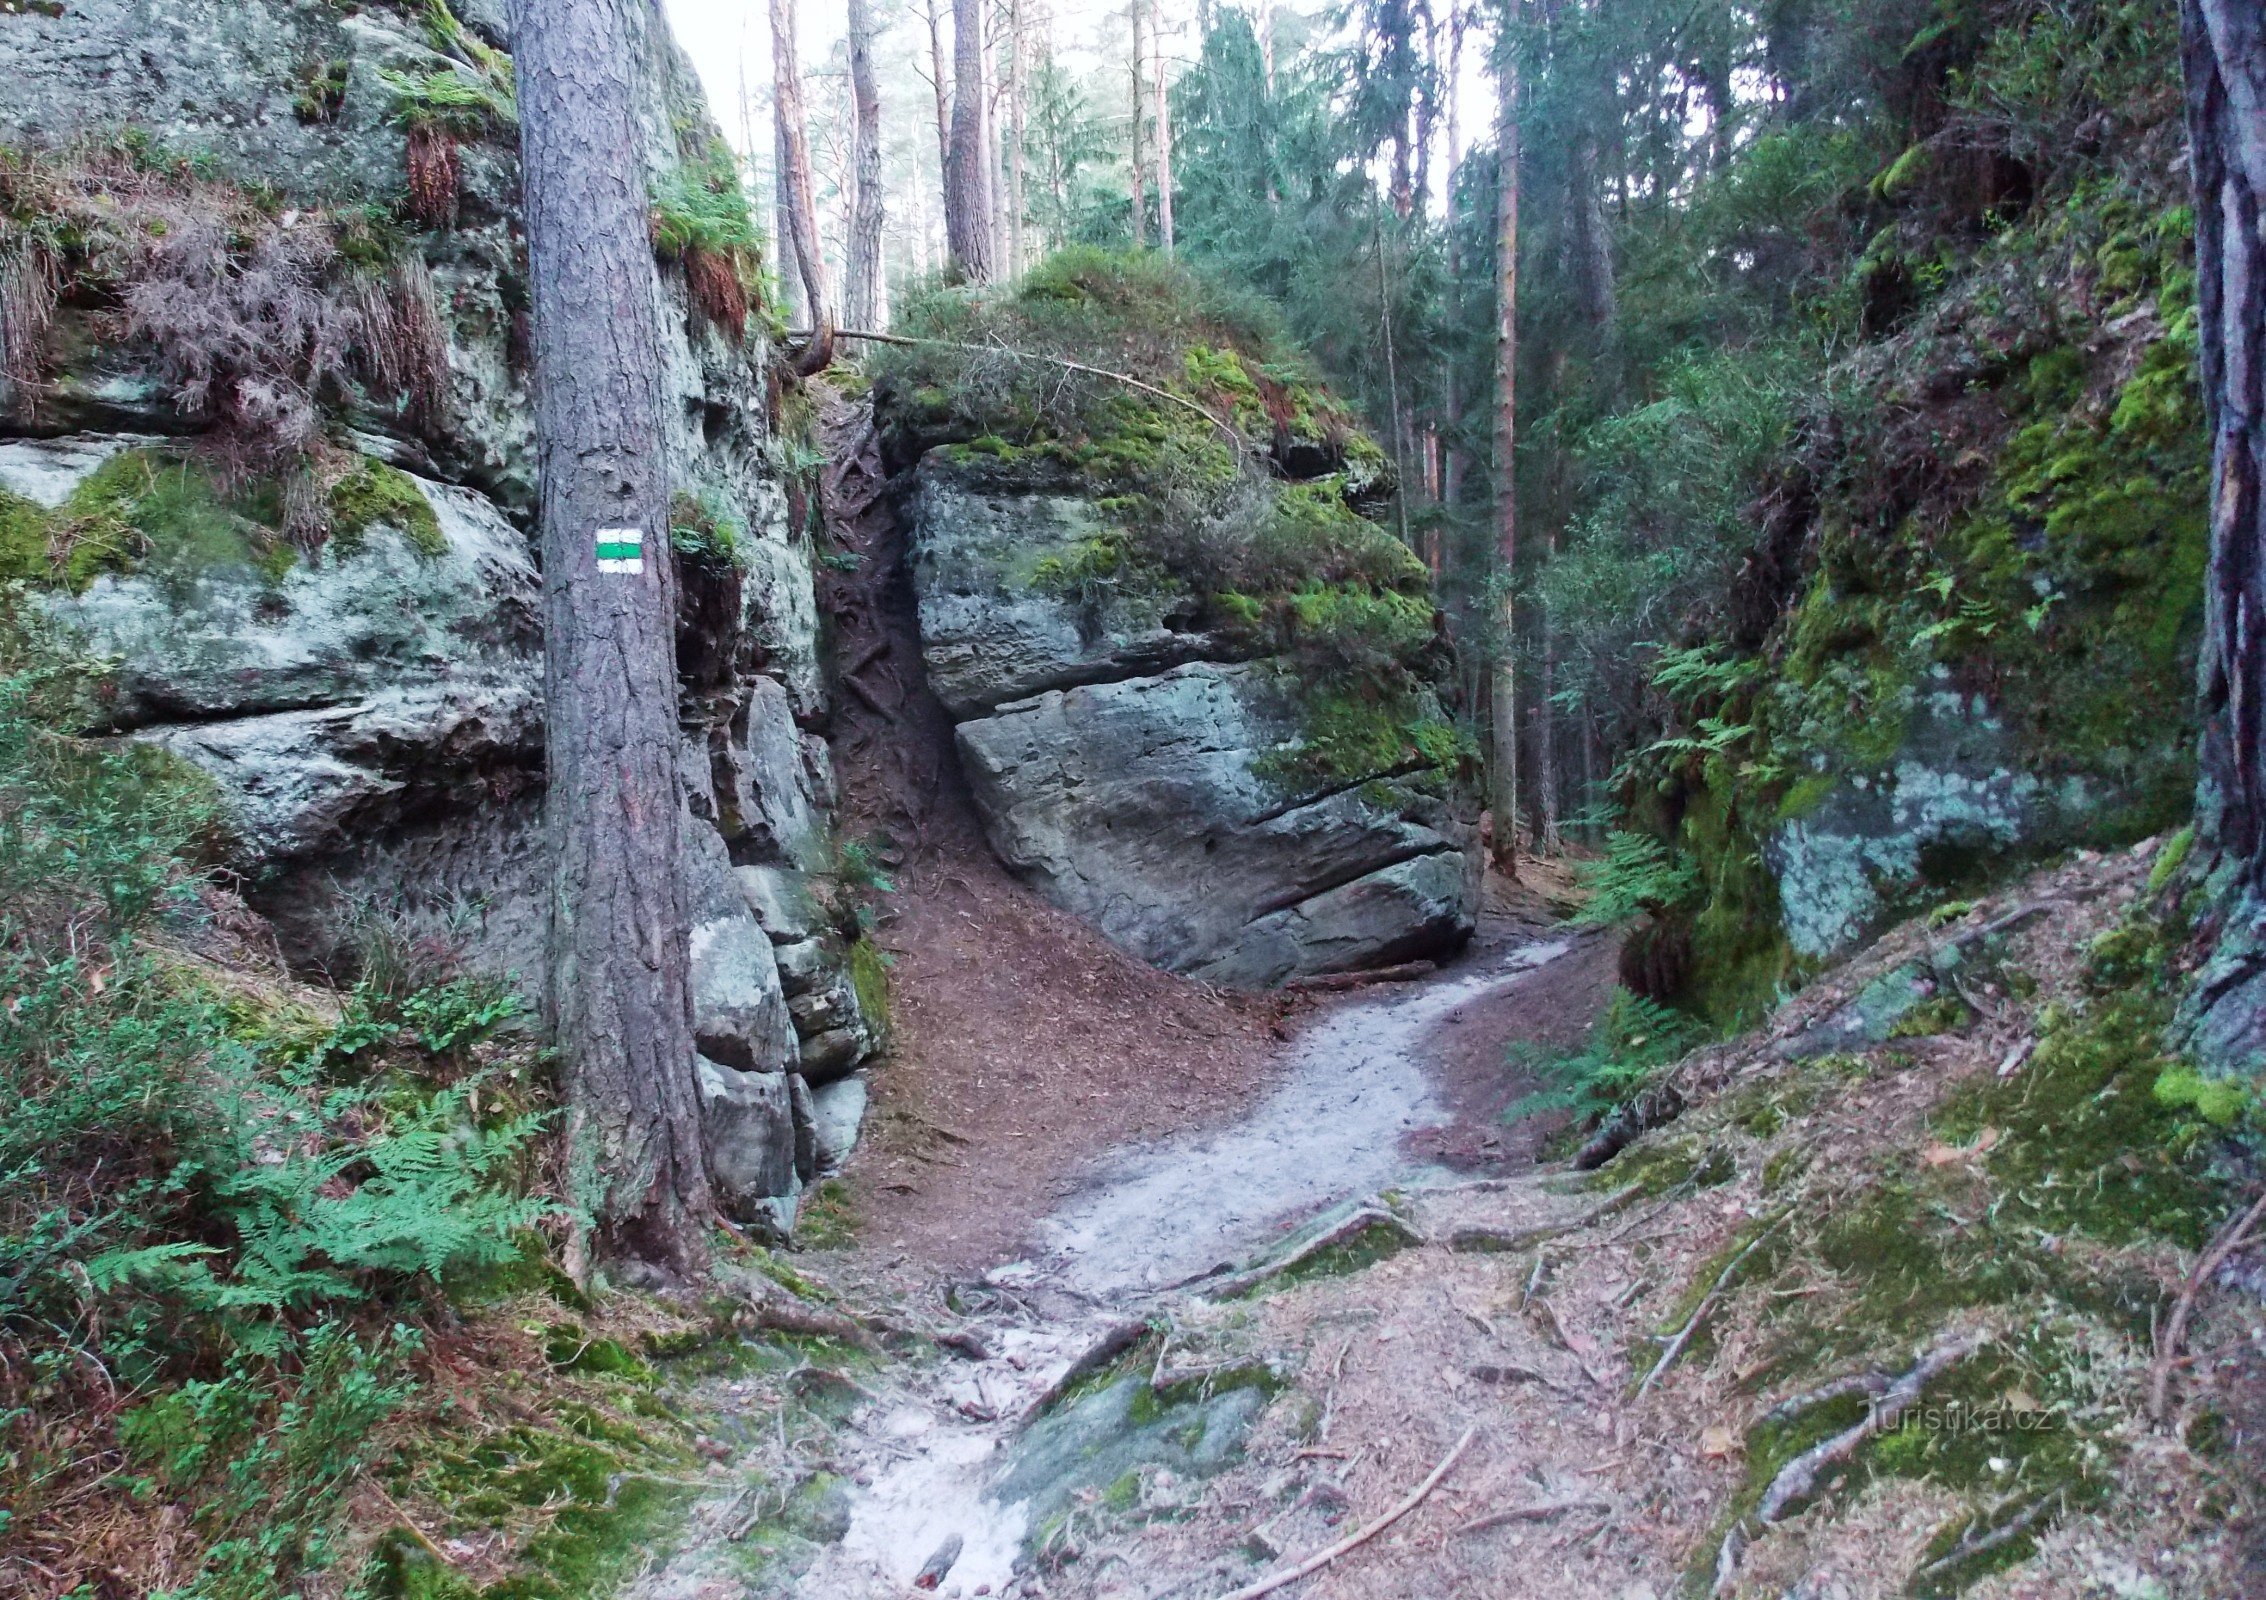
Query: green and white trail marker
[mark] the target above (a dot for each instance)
(621, 550)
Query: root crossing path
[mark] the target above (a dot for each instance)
(954, 1474)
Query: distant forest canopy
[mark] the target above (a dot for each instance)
(1729, 221)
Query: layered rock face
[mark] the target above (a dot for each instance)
(1128, 765)
(371, 712)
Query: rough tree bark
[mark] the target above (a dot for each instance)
(619, 1000)
(2225, 48)
(861, 291)
(967, 207)
(1504, 721)
(794, 173)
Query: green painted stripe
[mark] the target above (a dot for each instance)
(620, 552)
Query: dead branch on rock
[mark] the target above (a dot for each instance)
(1797, 1481)
(2229, 1240)
(1064, 362)
(1329, 982)
(1316, 1562)
(1699, 1315)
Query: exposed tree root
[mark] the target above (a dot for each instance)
(2229, 1240)
(1797, 1481)
(1699, 1314)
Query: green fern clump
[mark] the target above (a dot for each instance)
(198, 1206)
(1636, 874)
(1631, 1042)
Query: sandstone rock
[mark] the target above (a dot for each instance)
(332, 630)
(780, 899)
(740, 1016)
(828, 1056)
(806, 1127)
(801, 964)
(293, 783)
(47, 471)
(1416, 907)
(839, 1112)
(761, 798)
(991, 629)
(748, 1121)
(1136, 805)
(1958, 789)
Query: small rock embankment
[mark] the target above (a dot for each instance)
(1127, 761)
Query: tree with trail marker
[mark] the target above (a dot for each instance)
(619, 1003)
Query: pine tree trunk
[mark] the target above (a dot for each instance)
(1133, 13)
(941, 84)
(797, 304)
(2225, 49)
(967, 197)
(1164, 135)
(1504, 697)
(1015, 130)
(861, 294)
(620, 1004)
(794, 172)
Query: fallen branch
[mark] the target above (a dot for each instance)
(1063, 362)
(2229, 1240)
(423, 1539)
(1581, 1357)
(1540, 1511)
(1699, 1315)
(1797, 1481)
(1316, 1562)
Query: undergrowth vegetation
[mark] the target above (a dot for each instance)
(230, 1207)
(257, 317)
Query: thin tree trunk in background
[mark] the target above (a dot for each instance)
(1133, 11)
(794, 157)
(619, 999)
(1164, 134)
(1504, 697)
(1016, 129)
(1452, 470)
(783, 228)
(1546, 727)
(861, 293)
(995, 182)
(2224, 43)
(967, 209)
(1267, 86)
(938, 81)
(1592, 243)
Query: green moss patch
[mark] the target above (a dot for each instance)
(374, 495)
(145, 511)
